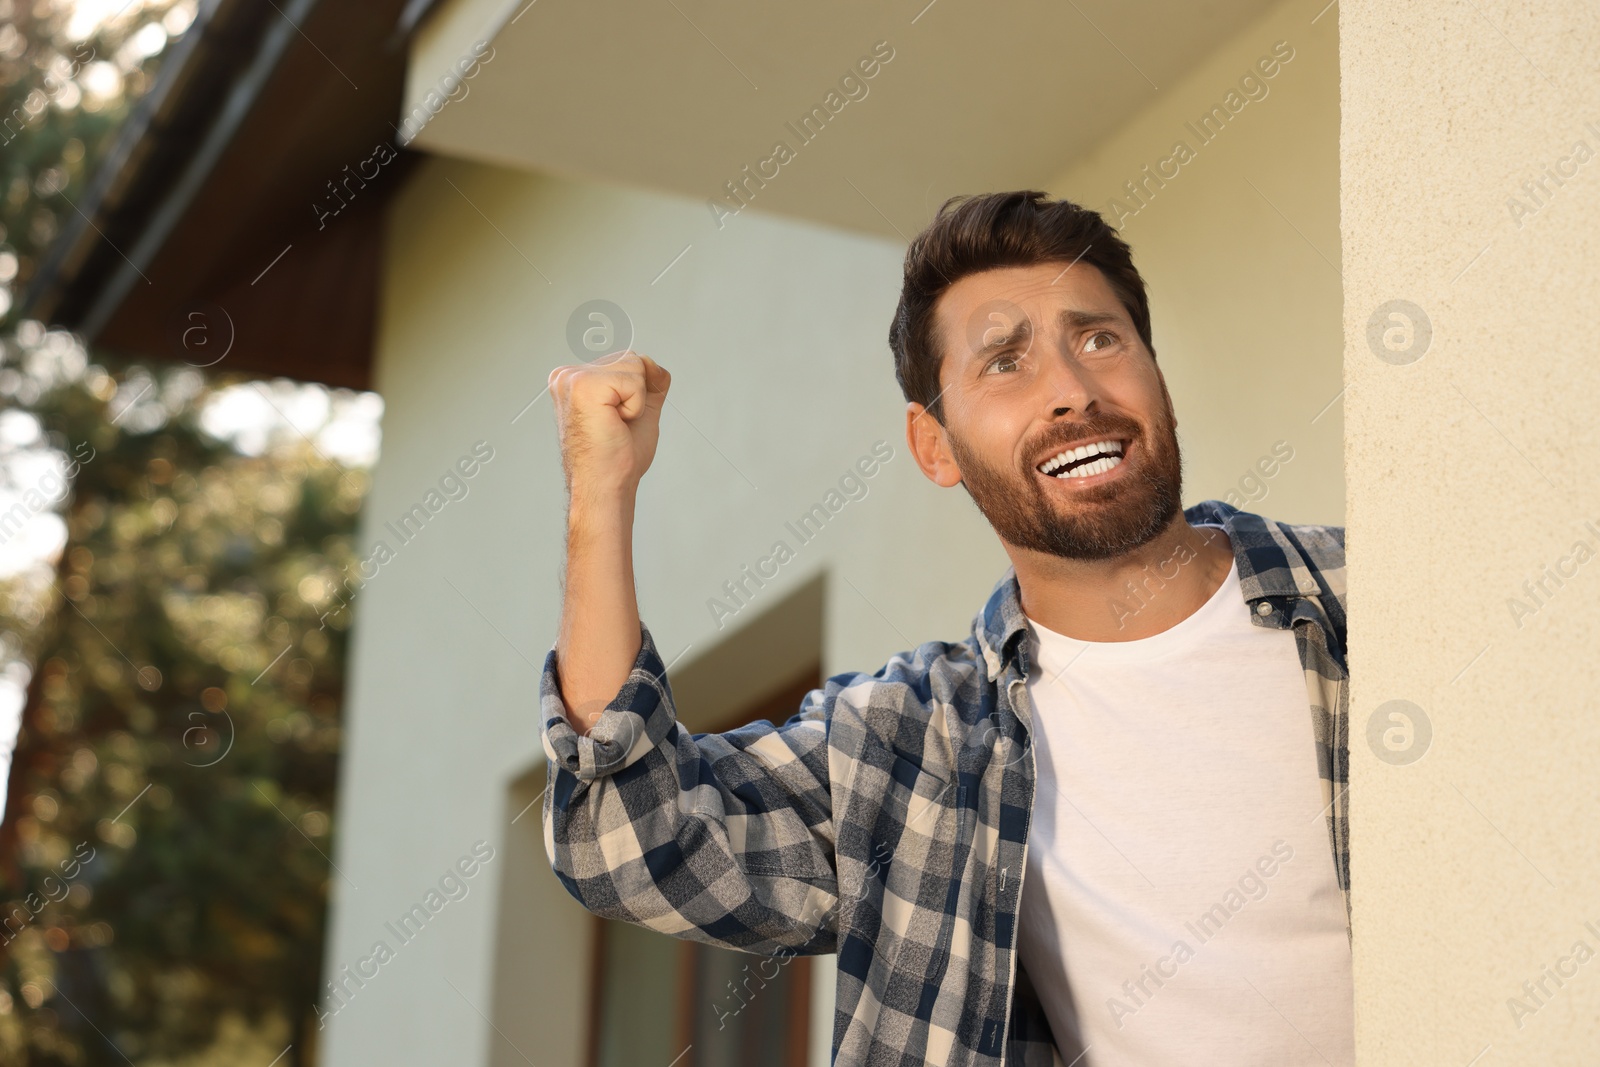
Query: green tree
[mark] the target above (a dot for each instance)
(165, 851)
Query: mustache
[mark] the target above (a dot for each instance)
(1080, 432)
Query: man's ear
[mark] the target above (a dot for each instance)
(930, 447)
(1172, 412)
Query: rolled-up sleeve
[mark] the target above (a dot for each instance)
(723, 838)
(640, 715)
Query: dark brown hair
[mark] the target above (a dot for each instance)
(977, 233)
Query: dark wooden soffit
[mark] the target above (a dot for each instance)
(215, 224)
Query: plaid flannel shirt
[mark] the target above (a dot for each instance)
(882, 820)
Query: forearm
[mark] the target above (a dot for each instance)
(598, 638)
(689, 803)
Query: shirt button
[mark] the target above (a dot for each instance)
(1264, 608)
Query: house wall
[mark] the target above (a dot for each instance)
(1471, 450)
(775, 332)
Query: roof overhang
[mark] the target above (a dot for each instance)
(239, 207)
(695, 96)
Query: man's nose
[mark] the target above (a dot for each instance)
(1071, 389)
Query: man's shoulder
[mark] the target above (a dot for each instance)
(1269, 547)
(1321, 544)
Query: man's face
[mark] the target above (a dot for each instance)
(1039, 360)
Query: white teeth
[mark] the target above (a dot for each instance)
(1099, 466)
(1112, 448)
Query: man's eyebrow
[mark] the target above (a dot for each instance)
(1077, 320)
(1070, 319)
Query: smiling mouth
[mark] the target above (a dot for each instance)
(1085, 460)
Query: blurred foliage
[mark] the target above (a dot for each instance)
(164, 853)
(61, 97)
(166, 843)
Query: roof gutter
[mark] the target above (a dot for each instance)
(240, 100)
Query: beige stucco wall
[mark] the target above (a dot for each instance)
(1471, 470)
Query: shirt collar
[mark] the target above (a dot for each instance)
(1270, 566)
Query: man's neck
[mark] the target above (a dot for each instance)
(1128, 597)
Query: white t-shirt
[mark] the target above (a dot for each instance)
(1180, 904)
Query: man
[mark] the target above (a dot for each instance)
(1103, 828)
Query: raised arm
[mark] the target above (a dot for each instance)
(608, 417)
(722, 838)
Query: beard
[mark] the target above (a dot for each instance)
(1104, 521)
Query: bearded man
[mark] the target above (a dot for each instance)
(1110, 826)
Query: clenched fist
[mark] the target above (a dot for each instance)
(608, 417)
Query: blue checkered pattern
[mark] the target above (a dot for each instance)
(887, 820)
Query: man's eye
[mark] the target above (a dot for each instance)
(1003, 361)
(1111, 340)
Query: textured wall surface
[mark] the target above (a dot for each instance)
(1471, 232)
